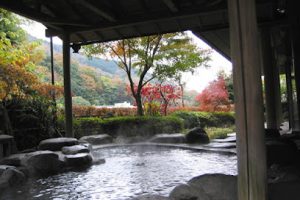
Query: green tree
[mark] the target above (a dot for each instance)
(80, 101)
(228, 78)
(17, 62)
(151, 57)
(10, 27)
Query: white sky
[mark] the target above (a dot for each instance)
(198, 81)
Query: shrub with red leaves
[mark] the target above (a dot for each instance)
(162, 94)
(214, 97)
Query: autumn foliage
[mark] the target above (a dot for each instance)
(214, 97)
(103, 112)
(157, 98)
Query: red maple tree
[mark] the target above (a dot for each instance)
(162, 94)
(214, 97)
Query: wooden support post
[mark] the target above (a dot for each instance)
(54, 113)
(289, 89)
(294, 17)
(272, 82)
(67, 85)
(251, 150)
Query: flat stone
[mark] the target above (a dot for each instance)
(70, 150)
(5, 138)
(225, 140)
(221, 145)
(231, 135)
(78, 160)
(168, 138)
(56, 144)
(97, 139)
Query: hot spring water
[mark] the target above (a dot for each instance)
(128, 172)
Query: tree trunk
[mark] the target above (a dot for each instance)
(138, 100)
(7, 125)
(166, 109)
(182, 100)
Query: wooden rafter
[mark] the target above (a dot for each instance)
(103, 13)
(171, 5)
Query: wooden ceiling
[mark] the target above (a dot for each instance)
(91, 21)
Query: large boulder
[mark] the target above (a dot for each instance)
(43, 163)
(71, 150)
(97, 139)
(4, 167)
(13, 160)
(168, 138)
(197, 135)
(208, 186)
(56, 144)
(78, 160)
(10, 176)
(184, 191)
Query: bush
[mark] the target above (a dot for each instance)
(92, 111)
(190, 119)
(126, 126)
(205, 119)
(218, 133)
(31, 120)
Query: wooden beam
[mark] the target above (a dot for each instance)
(118, 33)
(245, 56)
(171, 5)
(67, 85)
(136, 20)
(99, 34)
(136, 29)
(76, 11)
(157, 27)
(105, 14)
(81, 37)
(179, 25)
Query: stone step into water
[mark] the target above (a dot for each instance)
(169, 138)
(55, 144)
(231, 135)
(225, 140)
(71, 150)
(221, 145)
(97, 139)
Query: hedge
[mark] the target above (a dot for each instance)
(205, 119)
(126, 126)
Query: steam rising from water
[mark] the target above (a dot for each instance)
(128, 172)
